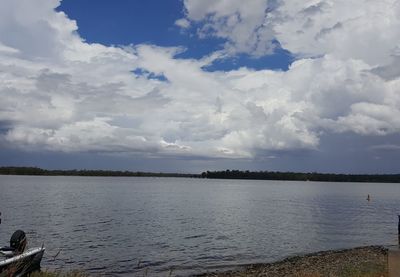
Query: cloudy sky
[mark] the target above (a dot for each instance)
(193, 85)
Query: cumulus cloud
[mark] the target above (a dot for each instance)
(183, 23)
(351, 29)
(356, 29)
(62, 94)
(241, 23)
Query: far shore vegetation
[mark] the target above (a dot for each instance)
(225, 174)
(35, 171)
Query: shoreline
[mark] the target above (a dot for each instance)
(366, 261)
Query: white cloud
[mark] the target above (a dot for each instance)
(183, 23)
(63, 94)
(349, 29)
(241, 23)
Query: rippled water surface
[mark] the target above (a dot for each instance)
(130, 226)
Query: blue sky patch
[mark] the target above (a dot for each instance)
(153, 22)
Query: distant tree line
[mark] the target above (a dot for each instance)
(226, 174)
(295, 176)
(106, 173)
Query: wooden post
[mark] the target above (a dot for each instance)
(398, 229)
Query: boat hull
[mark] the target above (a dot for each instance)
(22, 264)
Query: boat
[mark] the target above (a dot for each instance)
(17, 261)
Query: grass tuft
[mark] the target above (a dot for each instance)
(74, 273)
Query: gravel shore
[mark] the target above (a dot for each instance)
(368, 261)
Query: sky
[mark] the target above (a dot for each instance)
(195, 85)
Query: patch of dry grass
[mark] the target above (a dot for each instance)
(74, 273)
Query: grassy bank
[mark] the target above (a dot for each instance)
(59, 274)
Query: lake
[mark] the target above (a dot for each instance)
(132, 225)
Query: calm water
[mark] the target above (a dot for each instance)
(124, 226)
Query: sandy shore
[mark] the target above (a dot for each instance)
(368, 261)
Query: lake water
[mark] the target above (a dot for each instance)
(130, 226)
